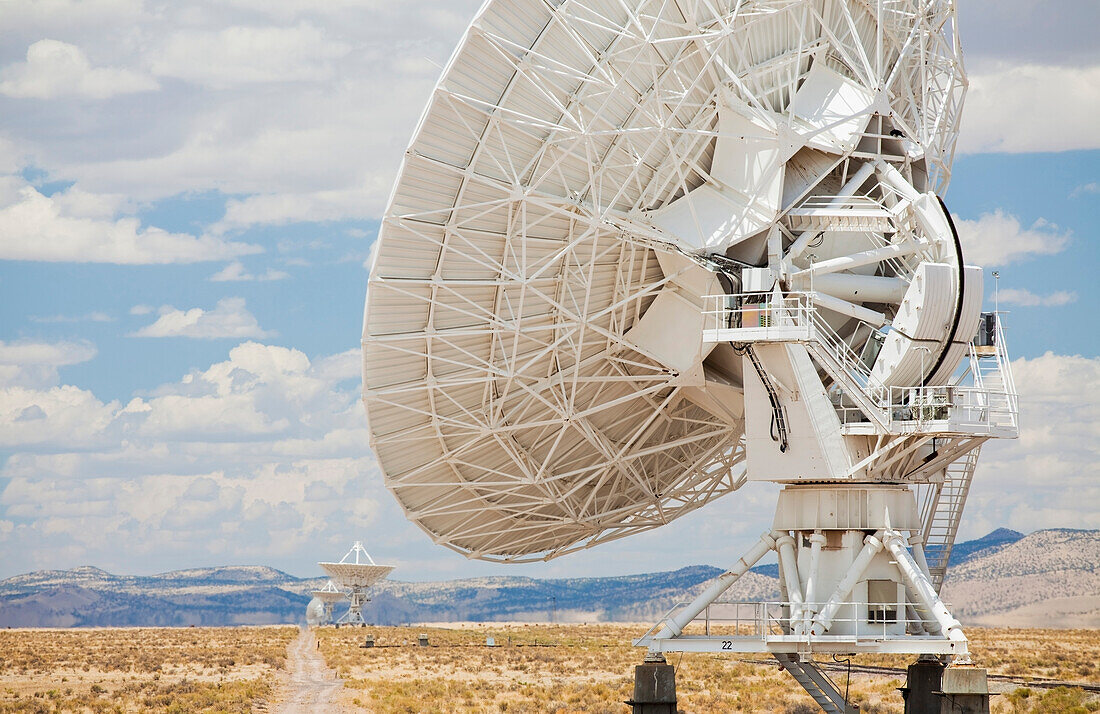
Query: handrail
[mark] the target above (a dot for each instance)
(792, 316)
(773, 618)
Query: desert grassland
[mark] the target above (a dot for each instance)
(589, 668)
(194, 669)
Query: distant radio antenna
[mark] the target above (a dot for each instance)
(356, 572)
(327, 596)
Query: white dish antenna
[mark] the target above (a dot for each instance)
(319, 610)
(356, 570)
(329, 594)
(316, 612)
(642, 251)
(585, 174)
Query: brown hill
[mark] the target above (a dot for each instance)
(1050, 578)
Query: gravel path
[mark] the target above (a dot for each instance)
(311, 686)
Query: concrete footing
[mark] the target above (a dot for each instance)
(654, 688)
(965, 690)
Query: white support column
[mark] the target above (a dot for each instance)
(926, 594)
(872, 544)
(676, 624)
(789, 567)
(915, 621)
(817, 541)
(893, 177)
(916, 541)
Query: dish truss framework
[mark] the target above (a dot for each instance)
(355, 573)
(640, 252)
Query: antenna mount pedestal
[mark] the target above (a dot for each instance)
(654, 686)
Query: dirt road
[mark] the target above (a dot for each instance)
(311, 686)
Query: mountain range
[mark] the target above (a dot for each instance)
(1049, 578)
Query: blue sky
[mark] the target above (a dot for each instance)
(187, 198)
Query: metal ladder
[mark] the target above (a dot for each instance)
(817, 684)
(941, 521)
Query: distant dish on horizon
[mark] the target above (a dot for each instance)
(355, 572)
(327, 596)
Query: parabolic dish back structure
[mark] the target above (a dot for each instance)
(641, 251)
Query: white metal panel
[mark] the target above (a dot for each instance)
(920, 328)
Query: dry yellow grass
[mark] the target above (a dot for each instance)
(588, 668)
(140, 669)
(534, 668)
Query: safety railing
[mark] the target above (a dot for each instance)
(840, 203)
(943, 408)
(772, 620)
(757, 317)
(793, 317)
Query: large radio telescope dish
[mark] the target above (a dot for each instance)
(585, 172)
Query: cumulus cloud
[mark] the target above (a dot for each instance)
(230, 318)
(257, 456)
(998, 238)
(236, 272)
(264, 455)
(1026, 298)
(302, 135)
(30, 362)
(1018, 108)
(70, 227)
(1042, 479)
(55, 69)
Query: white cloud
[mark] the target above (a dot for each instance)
(229, 319)
(324, 99)
(1049, 477)
(34, 363)
(55, 69)
(236, 272)
(1018, 108)
(63, 416)
(1026, 298)
(42, 16)
(141, 310)
(282, 208)
(243, 55)
(69, 227)
(998, 239)
(257, 456)
(1085, 189)
(95, 316)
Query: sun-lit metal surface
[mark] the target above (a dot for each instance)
(534, 375)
